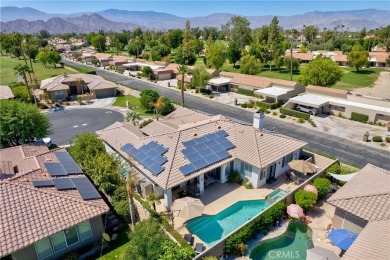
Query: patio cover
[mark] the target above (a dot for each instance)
(310, 100)
(343, 177)
(219, 81)
(274, 92)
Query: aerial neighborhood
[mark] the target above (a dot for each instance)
(145, 135)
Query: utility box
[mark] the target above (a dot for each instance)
(127, 103)
(235, 102)
(365, 137)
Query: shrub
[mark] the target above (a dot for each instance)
(380, 124)
(322, 185)
(339, 114)
(301, 120)
(377, 139)
(294, 113)
(262, 104)
(43, 106)
(282, 116)
(188, 86)
(206, 91)
(82, 70)
(312, 122)
(246, 92)
(250, 104)
(359, 117)
(234, 177)
(387, 139)
(148, 98)
(267, 111)
(275, 113)
(248, 185)
(164, 106)
(305, 199)
(244, 105)
(145, 123)
(383, 144)
(211, 96)
(334, 168)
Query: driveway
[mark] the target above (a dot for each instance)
(67, 123)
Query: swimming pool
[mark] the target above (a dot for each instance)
(290, 245)
(213, 228)
(277, 194)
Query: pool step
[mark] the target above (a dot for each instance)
(199, 223)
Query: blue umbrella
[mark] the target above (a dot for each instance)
(342, 238)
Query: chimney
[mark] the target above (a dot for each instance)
(258, 120)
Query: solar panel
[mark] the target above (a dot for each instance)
(55, 169)
(223, 155)
(189, 143)
(199, 164)
(194, 157)
(68, 163)
(160, 160)
(155, 169)
(227, 144)
(86, 188)
(221, 133)
(187, 169)
(161, 149)
(43, 183)
(64, 184)
(126, 147)
(212, 159)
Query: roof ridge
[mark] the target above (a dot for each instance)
(378, 168)
(358, 197)
(57, 194)
(170, 168)
(257, 148)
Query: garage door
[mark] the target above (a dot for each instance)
(103, 93)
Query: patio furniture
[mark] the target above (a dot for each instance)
(189, 238)
(199, 247)
(208, 180)
(193, 190)
(342, 238)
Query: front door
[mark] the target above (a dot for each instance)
(271, 171)
(218, 174)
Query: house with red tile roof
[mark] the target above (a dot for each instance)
(48, 206)
(363, 206)
(190, 148)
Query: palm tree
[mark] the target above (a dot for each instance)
(22, 70)
(80, 82)
(183, 70)
(17, 39)
(153, 199)
(131, 182)
(133, 116)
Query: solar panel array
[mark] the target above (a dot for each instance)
(86, 188)
(55, 169)
(83, 185)
(68, 163)
(149, 155)
(206, 150)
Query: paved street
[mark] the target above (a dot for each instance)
(344, 149)
(69, 122)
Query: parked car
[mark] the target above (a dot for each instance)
(307, 109)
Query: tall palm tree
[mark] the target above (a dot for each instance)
(133, 116)
(22, 70)
(183, 70)
(131, 182)
(153, 199)
(17, 39)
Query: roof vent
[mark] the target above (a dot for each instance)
(241, 131)
(195, 134)
(219, 127)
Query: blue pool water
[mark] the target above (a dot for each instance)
(215, 227)
(277, 194)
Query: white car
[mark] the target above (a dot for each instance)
(307, 109)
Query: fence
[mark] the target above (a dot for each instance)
(323, 162)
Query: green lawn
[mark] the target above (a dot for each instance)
(8, 74)
(353, 79)
(134, 103)
(118, 247)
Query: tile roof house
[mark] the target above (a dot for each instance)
(256, 154)
(45, 213)
(71, 85)
(363, 206)
(6, 93)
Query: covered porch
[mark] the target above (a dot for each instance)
(274, 94)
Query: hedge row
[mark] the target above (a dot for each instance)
(82, 70)
(265, 220)
(269, 105)
(246, 92)
(359, 117)
(294, 113)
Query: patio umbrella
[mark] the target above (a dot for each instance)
(311, 188)
(342, 238)
(302, 166)
(188, 207)
(319, 253)
(294, 211)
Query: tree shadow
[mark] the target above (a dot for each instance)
(363, 72)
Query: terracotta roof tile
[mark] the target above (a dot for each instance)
(340, 58)
(255, 81)
(325, 90)
(366, 195)
(252, 146)
(372, 242)
(6, 92)
(299, 55)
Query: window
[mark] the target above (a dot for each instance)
(71, 236)
(246, 169)
(287, 159)
(263, 173)
(43, 248)
(58, 241)
(84, 230)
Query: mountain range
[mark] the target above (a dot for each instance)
(29, 20)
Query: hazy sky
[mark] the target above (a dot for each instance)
(187, 8)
